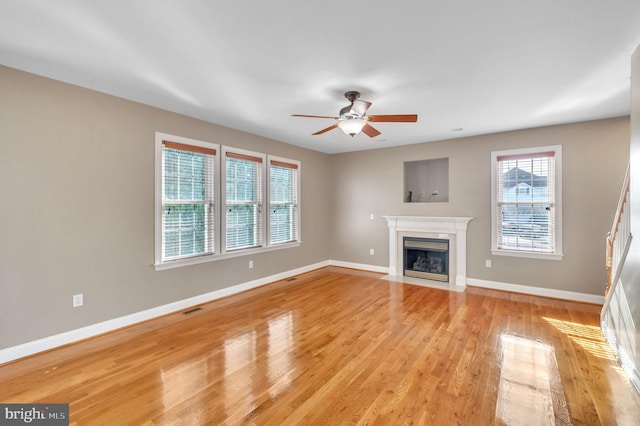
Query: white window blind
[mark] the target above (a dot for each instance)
(216, 202)
(283, 202)
(244, 197)
(188, 210)
(526, 202)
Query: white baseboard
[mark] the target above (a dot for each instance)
(40, 345)
(538, 291)
(361, 266)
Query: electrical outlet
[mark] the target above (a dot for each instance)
(78, 300)
(371, 252)
(371, 216)
(487, 263)
(251, 264)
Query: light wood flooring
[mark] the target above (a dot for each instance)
(339, 346)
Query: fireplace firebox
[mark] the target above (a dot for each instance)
(426, 258)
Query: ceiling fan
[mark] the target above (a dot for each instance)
(353, 118)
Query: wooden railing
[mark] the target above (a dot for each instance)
(619, 237)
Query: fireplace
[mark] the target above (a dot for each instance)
(452, 230)
(426, 258)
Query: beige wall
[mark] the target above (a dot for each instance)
(77, 179)
(595, 155)
(77, 173)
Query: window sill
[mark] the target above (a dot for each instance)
(528, 254)
(215, 257)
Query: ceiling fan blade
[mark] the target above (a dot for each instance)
(313, 116)
(370, 131)
(319, 132)
(360, 107)
(397, 118)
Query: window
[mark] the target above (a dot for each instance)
(283, 200)
(526, 202)
(187, 200)
(210, 202)
(244, 217)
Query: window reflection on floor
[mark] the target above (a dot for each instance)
(244, 369)
(280, 370)
(588, 336)
(239, 367)
(182, 382)
(530, 391)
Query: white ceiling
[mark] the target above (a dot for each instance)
(483, 66)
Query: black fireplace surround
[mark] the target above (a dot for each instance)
(426, 258)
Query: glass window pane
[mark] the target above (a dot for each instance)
(283, 195)
(187, 210)
(242, 180)
(524, 204)
(243, 195)
(281, 223)
(240, 226)
(184, 228)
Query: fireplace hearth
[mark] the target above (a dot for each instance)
(426, 258)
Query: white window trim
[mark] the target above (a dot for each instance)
(558, 255)
(268, 201)
(220, 202)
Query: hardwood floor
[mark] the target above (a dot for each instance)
(338, 346)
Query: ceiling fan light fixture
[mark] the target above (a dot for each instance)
(352, 126)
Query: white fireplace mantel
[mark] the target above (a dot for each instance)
(451, 228)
